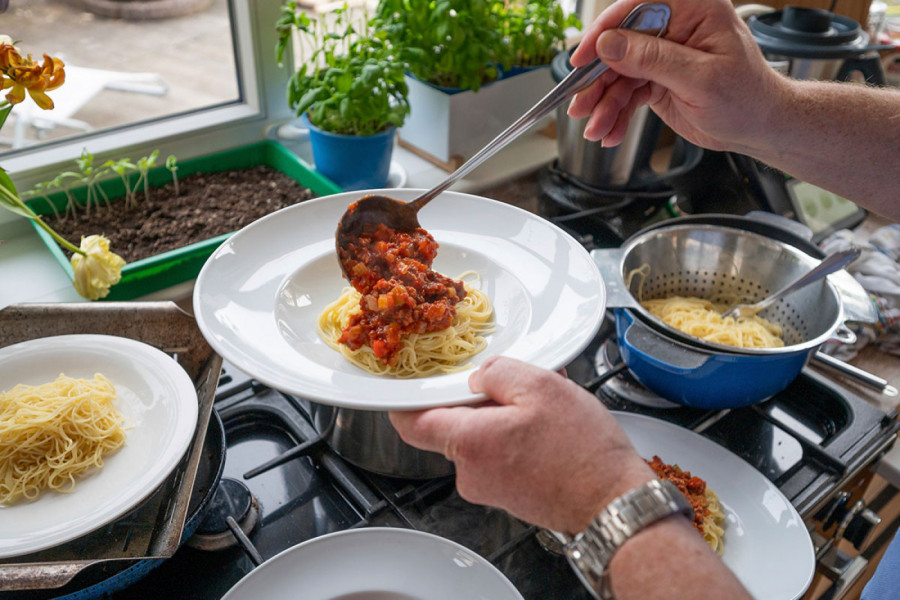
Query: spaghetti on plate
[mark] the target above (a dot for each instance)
(51, 434)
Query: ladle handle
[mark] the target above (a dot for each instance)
(652, 18)
(834, 262)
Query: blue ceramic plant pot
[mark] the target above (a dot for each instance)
(354, 162)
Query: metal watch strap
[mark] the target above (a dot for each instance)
(591, 551)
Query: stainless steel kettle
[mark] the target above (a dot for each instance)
(812, 43)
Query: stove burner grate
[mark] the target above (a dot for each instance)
(232, 507)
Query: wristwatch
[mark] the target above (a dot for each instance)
(590, 551)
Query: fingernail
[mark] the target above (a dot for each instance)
(612, 45)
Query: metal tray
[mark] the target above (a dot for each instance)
(154, 529)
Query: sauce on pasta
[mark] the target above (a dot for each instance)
(709, 518)
(399, 292)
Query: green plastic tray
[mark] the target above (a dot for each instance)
(170, 268)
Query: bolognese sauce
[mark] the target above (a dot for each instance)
(401, 294)
(692, 487)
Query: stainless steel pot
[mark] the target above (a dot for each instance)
(624, 167)
(368, 440)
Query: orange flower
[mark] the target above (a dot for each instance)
(24, 74)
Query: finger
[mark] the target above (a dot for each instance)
(512, 382)
(429, 429)
(617, 98)
(641, 56)
(584, 101)
(617, 133)
(610, 18)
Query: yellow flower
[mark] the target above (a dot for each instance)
(23, 74)
(97, 269)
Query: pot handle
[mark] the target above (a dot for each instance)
(654, 347)
(609, 261)
(869, 67)
(844, 335)
(864, 377)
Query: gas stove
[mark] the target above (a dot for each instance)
(282, 484)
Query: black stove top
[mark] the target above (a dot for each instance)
(808, 440)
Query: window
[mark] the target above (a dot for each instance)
(186, 85)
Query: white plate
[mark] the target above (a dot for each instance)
(154, 394)
(762, 527)
(376, 563)
(259, 295)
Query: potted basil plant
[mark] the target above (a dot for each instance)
(349, 92)
(473, 67)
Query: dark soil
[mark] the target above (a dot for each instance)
(207, 205)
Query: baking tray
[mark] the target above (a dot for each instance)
(154, 529)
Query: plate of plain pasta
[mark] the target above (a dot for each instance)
(420, 311)
(90, 426)
(742, 515)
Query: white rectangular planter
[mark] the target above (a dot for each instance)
(454, 126)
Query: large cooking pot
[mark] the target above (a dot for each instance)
(811, 43)
(367, 439)
(716, 262)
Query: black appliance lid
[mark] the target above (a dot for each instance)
(808, 33)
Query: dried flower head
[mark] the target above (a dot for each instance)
(23, 73)
(97, 269)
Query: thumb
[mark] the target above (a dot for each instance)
(641, 56)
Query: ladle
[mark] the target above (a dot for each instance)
(651, 18)
(829, 265)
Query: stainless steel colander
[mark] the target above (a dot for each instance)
(724, 265)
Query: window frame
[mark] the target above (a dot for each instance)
(261, 105)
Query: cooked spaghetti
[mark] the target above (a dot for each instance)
(709, 518)
(51, 434)
(703, 319)
(420, 354)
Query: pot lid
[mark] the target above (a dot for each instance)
(808, 33)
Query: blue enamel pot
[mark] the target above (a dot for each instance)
(725, 265)
(700, 378)
(353, 162)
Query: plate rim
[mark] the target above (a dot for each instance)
(750, 468)
(375, 532)
(182, 437)
(244, 362)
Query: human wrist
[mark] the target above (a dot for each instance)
(673, 539)
(591, 552)
(633, 473)
(776, 114)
